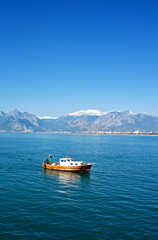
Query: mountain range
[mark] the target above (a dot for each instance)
(81, 121)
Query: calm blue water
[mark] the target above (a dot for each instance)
(117, 200)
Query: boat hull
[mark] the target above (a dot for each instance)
(85, 168)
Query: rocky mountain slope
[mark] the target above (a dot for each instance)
(90, 120)
(17, 121)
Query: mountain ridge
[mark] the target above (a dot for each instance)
(80, 121)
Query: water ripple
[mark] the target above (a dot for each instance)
(117, 200)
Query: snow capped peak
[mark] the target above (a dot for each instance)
(47, 117)
(89, 112)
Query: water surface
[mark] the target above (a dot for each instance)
(117, 200)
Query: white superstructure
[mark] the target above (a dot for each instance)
(70, 162)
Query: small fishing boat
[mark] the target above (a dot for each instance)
(67, 164)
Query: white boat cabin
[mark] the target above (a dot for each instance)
(69, 162)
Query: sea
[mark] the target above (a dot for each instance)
(117, 200)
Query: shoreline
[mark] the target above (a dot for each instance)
(88, 133)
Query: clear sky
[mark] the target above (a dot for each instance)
(61, 56)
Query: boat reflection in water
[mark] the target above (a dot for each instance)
(66, 177)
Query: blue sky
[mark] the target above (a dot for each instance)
(63, 56)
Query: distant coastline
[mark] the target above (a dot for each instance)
(89, 133)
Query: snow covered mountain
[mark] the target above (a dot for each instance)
(89, 120)
(94, 120)
(87, 113)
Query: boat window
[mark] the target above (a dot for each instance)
(68, 160)
(76, 163)
(71, 163)
(61, 160)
